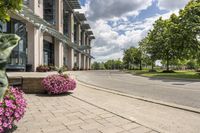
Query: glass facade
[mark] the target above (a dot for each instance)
(49, 11)
(75, 33)
(48, 53)
(65, 23)
(18, 57)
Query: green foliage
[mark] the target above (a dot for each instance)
(7, 43)
(174, 39)
(98, 66)
(109, 65)
(8, 5)
(132, 57)
(113, 64)
(61, 70)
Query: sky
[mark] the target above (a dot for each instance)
(120, 24)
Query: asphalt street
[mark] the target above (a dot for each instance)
(180, 92)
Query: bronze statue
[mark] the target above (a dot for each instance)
(7, 43)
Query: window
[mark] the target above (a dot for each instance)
(3, 27)
(48, 51)
(18, 57)
(39, 2)
(49, 11)
(75, 33)
(65, 23)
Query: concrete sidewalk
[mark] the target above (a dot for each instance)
(158, 117)
(69, 114)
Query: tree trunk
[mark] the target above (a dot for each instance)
(140, 65)
(167, 63)
(152, 65)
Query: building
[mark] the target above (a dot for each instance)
(52, 33)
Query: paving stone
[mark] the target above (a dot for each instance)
(92, 126)
(140, 129)
(73, 122)
(93, 131)
(130, 126)
(54, 128)
(112, 130)
(74, 127)
(107, 115)
(153, 132)
(58, 116)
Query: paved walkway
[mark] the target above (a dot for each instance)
(67, 114)
(161, 118)
(91, 110)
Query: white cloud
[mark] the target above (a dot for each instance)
(113, 30)
(109, 9)
(109, 43)
(172, 5)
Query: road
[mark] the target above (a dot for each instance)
(180, 92)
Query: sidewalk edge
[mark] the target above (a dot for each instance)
(172, 105)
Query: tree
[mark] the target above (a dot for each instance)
(110, 65)
(118, 64)
(96, 66)
(164, 41)
(9, 5)
(148, 54)
(132, 57)
(190, 24)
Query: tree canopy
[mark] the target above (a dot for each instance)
(132, 57)
(8, 5)
(174, 38)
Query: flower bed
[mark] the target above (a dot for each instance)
(58, 84)
(12, 109)
(43, 68)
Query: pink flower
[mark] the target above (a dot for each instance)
(57, 84)
(12, 108)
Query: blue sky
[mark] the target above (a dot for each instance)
(120, 24)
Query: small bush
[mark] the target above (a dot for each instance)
(152, 70)
(198, 70)
(12, 109)
(43, 68)
(168, 71)
(58, 84)
(61, 70)
(52, 68)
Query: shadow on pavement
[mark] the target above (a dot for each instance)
(58, 95)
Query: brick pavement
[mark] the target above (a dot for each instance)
(66, 114)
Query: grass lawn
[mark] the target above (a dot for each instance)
(159, 74)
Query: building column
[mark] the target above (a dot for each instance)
(58, 46)
(78, 34)
(90, 63)
(35, 39)
(87, 63)
(70, 60)
(86, 43)
(35, 47)
(83, 57)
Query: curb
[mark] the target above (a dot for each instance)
(169, 78)
(172, 105)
